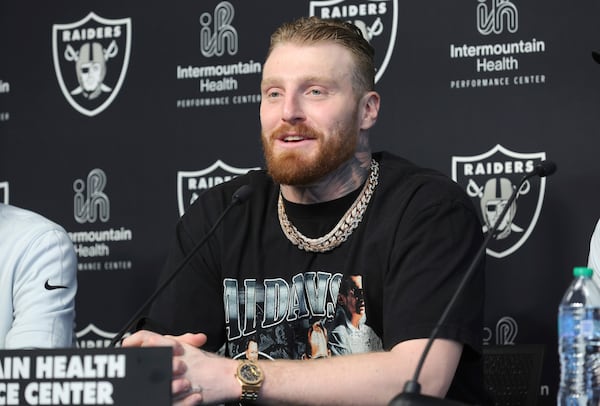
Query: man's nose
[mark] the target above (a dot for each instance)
(292, 109)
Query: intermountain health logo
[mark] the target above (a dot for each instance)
(489, 179)
(219, 80)
(377, 19)
(500, 58)
(98, 248)
(90, 59)
(191, 183)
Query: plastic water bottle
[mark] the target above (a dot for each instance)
(579, 341)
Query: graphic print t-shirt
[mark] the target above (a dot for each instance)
(249, 284)
(315, 316)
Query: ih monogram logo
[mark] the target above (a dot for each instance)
(222, 36)
(507, 330)
(491, 20)
(90, 202)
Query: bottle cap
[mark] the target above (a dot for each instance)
(582, 271)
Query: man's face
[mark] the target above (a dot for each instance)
(354, 301)
(317, 339)
(91, 66)
(91, 75)
(252, 351)
(309, 113)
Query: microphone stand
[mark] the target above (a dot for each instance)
(240, 196)
(411, 395)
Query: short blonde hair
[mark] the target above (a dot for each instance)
(312, 30)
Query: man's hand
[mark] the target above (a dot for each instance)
(198, 376)
(203, 377)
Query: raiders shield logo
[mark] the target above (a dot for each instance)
(190, 184)
(377, 19)
(90, 59)
(93, 337)
(4, 192)
(489, 180)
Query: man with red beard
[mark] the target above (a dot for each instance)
(325, 208)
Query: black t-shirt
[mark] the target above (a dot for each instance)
(409, 253)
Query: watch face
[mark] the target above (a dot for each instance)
(250, 373)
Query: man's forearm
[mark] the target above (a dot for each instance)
(363, 379)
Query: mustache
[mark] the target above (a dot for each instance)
(298, 129)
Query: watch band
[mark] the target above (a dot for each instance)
(250, 376)
(249, 394)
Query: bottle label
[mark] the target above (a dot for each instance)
(587, 327)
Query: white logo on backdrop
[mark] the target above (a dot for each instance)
(4, 87)
(98, 249)
(90, 203)
(93, 337)
(86, 53)
(489, 179)
(222, 82)
(191, 183)
(221, 36)
(507, 330)
(377, 22)
(506, 60)
(492, 19)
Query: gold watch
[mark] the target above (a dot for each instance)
(251, 378)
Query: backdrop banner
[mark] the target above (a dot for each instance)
(115, 115)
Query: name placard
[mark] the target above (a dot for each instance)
(80, 376)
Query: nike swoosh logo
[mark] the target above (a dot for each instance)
(52, 287)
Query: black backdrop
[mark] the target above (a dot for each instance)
(475, 89)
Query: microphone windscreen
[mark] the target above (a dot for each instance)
(546, 168)
(242, 194)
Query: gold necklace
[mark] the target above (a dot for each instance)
(342, 230)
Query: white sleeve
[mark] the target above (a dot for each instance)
(44, 291)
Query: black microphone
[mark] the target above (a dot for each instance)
(411, 394)
(542, 169)
(241, 195)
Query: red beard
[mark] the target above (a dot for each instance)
(294, 168)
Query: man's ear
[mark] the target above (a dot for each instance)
(369, 106)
